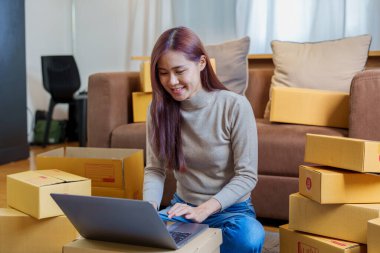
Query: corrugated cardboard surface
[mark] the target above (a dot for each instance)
(145, 82)
(108, 192)
(309, 107)
(342, 152)
(296, 242)
(140, 104)
(29, 191)
(20, 233)
(207, 242)
(373, 236)
(328, 185)
(341, 221)
(121, 169)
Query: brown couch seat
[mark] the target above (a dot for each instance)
(285, 144)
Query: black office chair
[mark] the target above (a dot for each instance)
(61, 79)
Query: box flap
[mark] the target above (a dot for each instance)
(99, 153)
(336, 243)
(59, 152)
(375, 221)
(46, 177)
(67, 177)
(35, 178)
(10, 212)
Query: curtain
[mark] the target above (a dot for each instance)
(109, 32)
(306, 21)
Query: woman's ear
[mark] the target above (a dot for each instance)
(202, 62)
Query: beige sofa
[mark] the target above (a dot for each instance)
(281, 146)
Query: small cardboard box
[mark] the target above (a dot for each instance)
(342, 221)
(207, 242)
(309, 107)
(20, 233)
(327, 185)
(121, 169)
(29, 191)
(140, 104)
(292, 242)
(342, 152)
(373, 235)
(145, 82)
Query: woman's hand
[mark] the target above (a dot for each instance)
(196, 214)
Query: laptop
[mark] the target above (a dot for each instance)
(124, 221)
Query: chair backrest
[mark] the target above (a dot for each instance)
(60, 77)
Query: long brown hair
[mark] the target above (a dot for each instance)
(165, 111)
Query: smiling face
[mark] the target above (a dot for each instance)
(179, 76)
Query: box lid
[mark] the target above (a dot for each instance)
(92, 153)
(45, 177)
(7, 212)
(333, 242)
(375, 221)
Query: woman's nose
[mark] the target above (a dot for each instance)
(173, 79)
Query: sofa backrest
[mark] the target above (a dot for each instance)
(258, 89)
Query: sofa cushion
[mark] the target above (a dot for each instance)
(282, 146)
(231, 63)
(325, 65)
(131, 135)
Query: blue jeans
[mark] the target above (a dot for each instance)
(241, 231)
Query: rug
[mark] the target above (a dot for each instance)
(272, 242)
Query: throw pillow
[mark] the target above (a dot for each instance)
(325, 65)
(231, 63)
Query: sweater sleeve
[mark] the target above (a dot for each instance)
(244, 148)
(154, 173)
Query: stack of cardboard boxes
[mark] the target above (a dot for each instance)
(33, 222)
(337, 208)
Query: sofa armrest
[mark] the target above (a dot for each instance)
(258, 89)
(109, 104)
(364, 118)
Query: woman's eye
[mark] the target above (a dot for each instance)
(180, 71)
(162, 73)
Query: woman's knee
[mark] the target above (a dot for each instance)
(254, 239)
(243, 235)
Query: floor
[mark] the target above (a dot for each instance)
(271, 227)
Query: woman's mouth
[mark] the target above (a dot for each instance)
(177, 90)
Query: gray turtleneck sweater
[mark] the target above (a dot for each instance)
(219, 139)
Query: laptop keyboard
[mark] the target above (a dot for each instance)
(179, 236)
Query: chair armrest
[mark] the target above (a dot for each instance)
(109, 104)
(364, 118)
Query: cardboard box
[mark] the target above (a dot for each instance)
(309, 107)
(29, 191)
(145, 82)
(292, 242)
(121, 169)
(327, 185)
(207, 242)
(373, 235)
(20, 233)
(342, 221)
(342, 152)
(108, 192)
(140, 104)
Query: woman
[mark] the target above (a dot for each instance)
(207, 136)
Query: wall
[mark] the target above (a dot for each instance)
(13, 141)
(48, 32)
